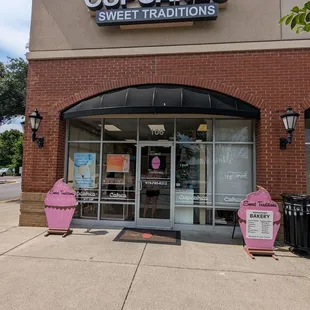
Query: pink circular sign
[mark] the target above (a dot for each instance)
(155, 163)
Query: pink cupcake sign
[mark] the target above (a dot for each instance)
(259, 219)
(60, 205)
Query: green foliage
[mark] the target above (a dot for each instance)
(13, 77)
(11, 149)
(298, 19)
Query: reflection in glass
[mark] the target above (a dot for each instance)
(86, 210)
(123, 212)
(238, 130)
(157, 129)
(233, 173)
(87, 129)
(155, 182)
(120, 129)
(224, 217)
(191, 130)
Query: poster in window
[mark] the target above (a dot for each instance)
(84, 170)
(118, 163)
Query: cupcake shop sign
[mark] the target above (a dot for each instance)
(125, 12)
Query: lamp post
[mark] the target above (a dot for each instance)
(289, 120)
(35, 121)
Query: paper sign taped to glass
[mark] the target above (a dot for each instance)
(84, 170)
(118, 163)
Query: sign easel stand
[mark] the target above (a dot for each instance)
(264, 252)
(63, 232)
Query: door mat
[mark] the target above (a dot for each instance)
(149, 236)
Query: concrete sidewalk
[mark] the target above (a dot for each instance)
(88, 270)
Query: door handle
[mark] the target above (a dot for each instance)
(140, 185)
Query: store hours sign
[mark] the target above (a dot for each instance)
(118, 12)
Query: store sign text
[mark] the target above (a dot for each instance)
(151, 11)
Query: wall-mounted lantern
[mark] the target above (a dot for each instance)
(35, 120)
(289, 120)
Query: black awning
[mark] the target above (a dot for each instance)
(162, 99)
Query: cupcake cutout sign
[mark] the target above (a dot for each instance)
(60, 205)
(259, 220)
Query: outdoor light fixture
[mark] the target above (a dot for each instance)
(289, 120)
(35, 120)
(23, 126)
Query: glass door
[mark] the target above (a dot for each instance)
(154, 185)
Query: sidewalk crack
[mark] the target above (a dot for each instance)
(1, 254)
(133, 278)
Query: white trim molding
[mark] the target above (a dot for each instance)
(166, 50)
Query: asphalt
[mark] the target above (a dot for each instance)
(11, 189)
(88, 270)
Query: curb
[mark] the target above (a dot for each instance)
(7, 182)
(10, 200)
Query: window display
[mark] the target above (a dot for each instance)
(205, 164)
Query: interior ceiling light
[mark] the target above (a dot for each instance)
(111, 128)
(202, 127)
(157, 127)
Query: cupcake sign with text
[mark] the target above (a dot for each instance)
(259, 220)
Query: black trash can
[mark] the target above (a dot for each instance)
(296, 216)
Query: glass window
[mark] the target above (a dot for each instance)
(308, 167)
(236, 130)
(193, 174)
(86, 210)
(157, 129)
(119, 170)
(224, 217)
(193, 184)
(121, 129)
(194, 129)
(233, 173)
(123, 212)
(83, 170)
(190, 215)
(87, 129)
(307, 133)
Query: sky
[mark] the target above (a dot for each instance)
(15, 18)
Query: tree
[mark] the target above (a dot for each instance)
(298, 19)
(11, 149)
(13, 76)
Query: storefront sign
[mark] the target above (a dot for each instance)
(108, 12)
(84, 195)
(231, 175)
(232, 199)
(189, 197)
(259, 219)
(84, 170)
(118, 163)
(117, 195)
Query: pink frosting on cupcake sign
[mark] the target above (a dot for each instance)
(259, 219)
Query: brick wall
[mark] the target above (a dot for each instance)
(270, 80)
